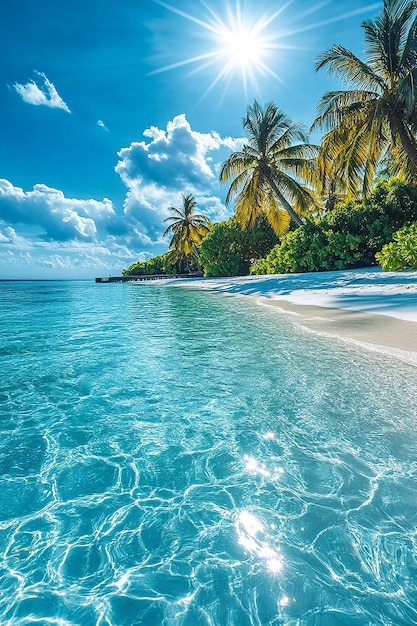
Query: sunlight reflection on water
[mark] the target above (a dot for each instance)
(185, 458)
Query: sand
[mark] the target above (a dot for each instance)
(370, 307)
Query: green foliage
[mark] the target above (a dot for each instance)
(375, 114)
(400, 253)
(222, 252)
(347, 237)
(311, 248)
(267, 175)
(157, 265)
(187, 228)
(228, 250)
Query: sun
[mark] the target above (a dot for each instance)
(241, 46)
(241, 40)
(245, 43)
(238, 44)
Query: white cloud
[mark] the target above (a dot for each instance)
(46, 231)
(42, 232)
(60, 218)
(214, 208)
(21, 256)
(42, 92)
(173, 158)
(9, 236)
(102, 125)
(176, 160)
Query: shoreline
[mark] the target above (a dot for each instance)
(375, 310)
(381, 333)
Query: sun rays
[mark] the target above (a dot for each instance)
(237, 44)
(245, 44)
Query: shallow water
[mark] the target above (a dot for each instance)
(184, 458)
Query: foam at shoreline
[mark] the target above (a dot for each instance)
(379, 333)
(373, 309)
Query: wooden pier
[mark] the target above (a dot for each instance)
(143, 277)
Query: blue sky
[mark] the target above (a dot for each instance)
(111, 110)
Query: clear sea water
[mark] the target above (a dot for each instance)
(177, 457)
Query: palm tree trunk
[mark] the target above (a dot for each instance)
(399, 128)
(294, 216)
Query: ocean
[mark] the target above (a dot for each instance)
(176, 457)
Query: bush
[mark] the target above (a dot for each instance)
(400, 253)
(156, 265)
(228, 250)
(223, 252)
(348, 236)
(310, 248)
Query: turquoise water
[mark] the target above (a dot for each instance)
(176, 457)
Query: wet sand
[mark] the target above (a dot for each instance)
(378, 330)
(377, 310)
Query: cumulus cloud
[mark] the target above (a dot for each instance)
(214, 208)
(16, 263)
(43, 229)
(22, 254)
(41, 92)
(60, 218)
(173, 161)
(173, 158)
(46, 232)
(9, 236)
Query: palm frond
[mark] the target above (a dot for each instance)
(249, 203)
(186, 227)
(364, 122)
(293, 191)
(269, 155)
(342, 63)
(299, 151)
(236, 163)
(336, 107)
(386, 37)
(237, 184)
(277, 216)
(409, 51)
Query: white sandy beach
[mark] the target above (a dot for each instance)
(368, 306)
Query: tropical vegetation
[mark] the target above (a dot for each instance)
(298, 207)
(377, 116)
(267, 173)
(187, 229)
(229, 250)
(401, 253)
(156, 265)
(348, 236)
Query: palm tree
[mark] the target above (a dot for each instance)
(267, 171)
(378, 115)
(188, 229)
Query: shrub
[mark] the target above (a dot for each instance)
(348, 236)
(156, 265)
(228, 250)
(400, 253)
(311, 249)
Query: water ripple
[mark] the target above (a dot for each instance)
(182, 458)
